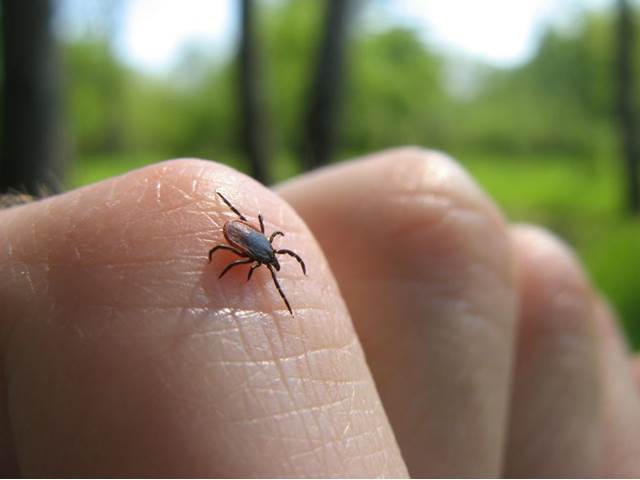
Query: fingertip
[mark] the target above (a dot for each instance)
(396, 198)
(149, 353)
(550, 275)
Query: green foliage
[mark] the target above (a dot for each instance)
(96, 87)
(541, 138)
(290, 33)
(199, 121)
(581, 206)
(385, 104)
(111, 109)
(560, 101)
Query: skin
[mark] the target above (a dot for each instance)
(430, 337)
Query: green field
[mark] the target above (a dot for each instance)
(583, 205)
(578, 200)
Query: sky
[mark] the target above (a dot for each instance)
(152, 33)
(500, 32)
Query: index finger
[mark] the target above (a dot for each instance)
(127, 356)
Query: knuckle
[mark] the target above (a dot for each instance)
(415, 171)
(550, 276)
(438, 216)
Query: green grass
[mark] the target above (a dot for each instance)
(582, 203)
(578, 200)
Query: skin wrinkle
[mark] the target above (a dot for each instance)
(445, 290)
(315, 393)
(89, 256)
(433, 217)
(312, 409)
(203, 311)
(424, 199)
(282, 378)
(440, 220)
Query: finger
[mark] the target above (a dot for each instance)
(8, 462)
(621, 400)
(555, 408)
(127, 356)
(635, 366)
(423, 260)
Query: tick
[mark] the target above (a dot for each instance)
(251, 243)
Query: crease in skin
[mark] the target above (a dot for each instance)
(441, 192)
(265, 361)
(317, 397)
(87, 257)
(278, 362)
(433, 237)
(440, 215)
(444, 216)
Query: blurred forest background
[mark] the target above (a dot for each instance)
(555, 140)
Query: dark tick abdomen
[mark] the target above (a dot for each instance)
(249, 240)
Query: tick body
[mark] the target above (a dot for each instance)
(252, 245)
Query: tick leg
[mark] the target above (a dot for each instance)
(275, 280)
(274, 235)
(296, 256)
(261, 223)
(233, 209)
(253, 267)
(242, 261)
(224, 247)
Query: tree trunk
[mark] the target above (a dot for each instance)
(321, 123)
(28, 158)
(255, 135)
(627, 105)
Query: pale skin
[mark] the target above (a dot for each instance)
(430, 337)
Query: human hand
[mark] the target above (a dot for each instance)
(123, 354)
